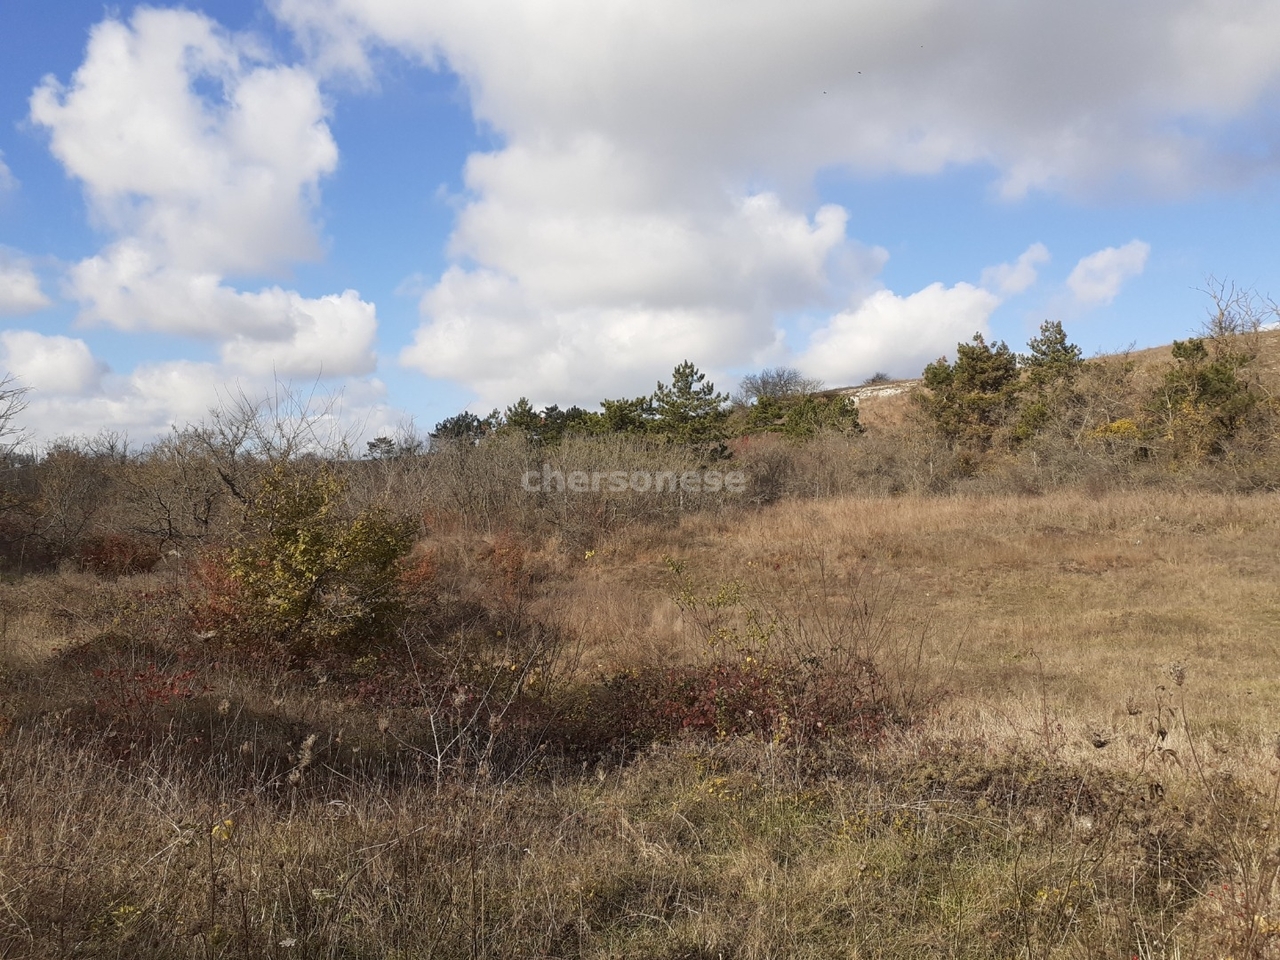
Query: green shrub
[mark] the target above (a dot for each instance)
(1204, 398)
(803, 416)
(309, 576)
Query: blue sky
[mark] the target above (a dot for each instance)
(426, 207)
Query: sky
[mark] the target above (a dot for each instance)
(418, 208)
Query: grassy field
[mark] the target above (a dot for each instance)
(1073, 753)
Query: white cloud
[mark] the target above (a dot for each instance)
(51, 364)
(269, 329)
(142, 404)
(1098, 277)
(331, 335)
(653, 187)
(895, 333)
(585, 296)
(885, 85)
(483, 333)
(203, 158)
(220, 182)
(1008, 279)
(149, 400)
(19, 287)
(585, 225)
(136, 404)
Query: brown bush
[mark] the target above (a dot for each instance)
(116, 555)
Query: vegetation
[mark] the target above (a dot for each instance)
(776, 383)
(969, 399)
(984, 669)
(804, 416)
(304, 575)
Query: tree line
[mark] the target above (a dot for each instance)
(1211, 403)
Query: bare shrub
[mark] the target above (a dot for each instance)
(175, 496)
(883, 462)
(509, 483)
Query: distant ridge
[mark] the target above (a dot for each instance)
(868, 390)
(1268, 360)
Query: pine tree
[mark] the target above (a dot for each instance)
(1052, 356)
(969, 399)
(690, 410)
(521, 416)
(1050, 390)
(1203, 400)
(464, 426)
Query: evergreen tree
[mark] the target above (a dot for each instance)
(1052, 367)
(969, 399)
(521, 416)
(464, 426)
(1052, 357)
(1203, 399)
(803, 416)
(630, 416)
(690, 410)
(556, 423)
(809, 415)
(381, 448)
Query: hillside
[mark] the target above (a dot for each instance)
(904, 696)
(884, 404)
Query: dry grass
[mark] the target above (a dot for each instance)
(273, 815)
(1081, 601)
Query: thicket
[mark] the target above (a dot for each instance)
(988, 419)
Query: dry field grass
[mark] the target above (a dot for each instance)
(269, 816)
(1065, 605)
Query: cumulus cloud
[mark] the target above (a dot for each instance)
(891, 332)
(77, 395)
(203, 157)
(143, 403)
(19, 287)
(51, 364)
(1008, 279)
(264, 330)
(218, 182)
(1097, 278)
(330, 335)
(586, 225)
(652, 191)
(886, 85)
(580, 296)
(482, 332)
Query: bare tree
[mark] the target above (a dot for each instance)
(773, 383)
(1236, 318)
(245, 435)
(195, 484)
(13, 400)
(73, 488)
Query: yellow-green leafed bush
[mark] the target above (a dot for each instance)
(1122, 429)
(309, 575)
